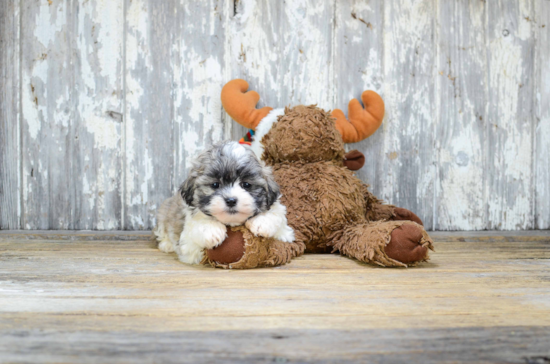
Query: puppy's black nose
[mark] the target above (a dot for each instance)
(231, 201)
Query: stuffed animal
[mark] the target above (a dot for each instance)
(329, 208)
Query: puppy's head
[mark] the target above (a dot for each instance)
(229, 183)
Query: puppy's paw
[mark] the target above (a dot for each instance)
(214, 235)
(263, 225)
(166, 246)
(190, 253)
(285, 234)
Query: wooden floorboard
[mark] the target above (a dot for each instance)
(112, 297)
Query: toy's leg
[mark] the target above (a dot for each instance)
(378, 211)
(401, 214)
(386, 243)
(243, 250)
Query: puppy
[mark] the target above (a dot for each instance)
(226, 186)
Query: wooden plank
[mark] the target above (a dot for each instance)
(409, 92)
(253, 33)
(122, 301)
(198, 66)
(542, 112)
(97, 144)
(461, 130)
(468, 345)
(149, 137)
(48, 114)
(173, 85)
(306, 38)
(510, 54)
(10, 192)
(276, 47)
(72, 104)
(446, 236)
(358, 65)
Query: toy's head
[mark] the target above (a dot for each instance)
(302, 133)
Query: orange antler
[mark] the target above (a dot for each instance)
(241, 105)
(362, 122)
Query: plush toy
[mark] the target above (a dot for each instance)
(329, 208)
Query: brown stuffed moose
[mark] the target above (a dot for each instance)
(329, 208)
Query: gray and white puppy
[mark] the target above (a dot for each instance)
(227, 185)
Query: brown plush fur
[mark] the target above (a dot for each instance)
(302, 134)
(259, 252)
(328, 207)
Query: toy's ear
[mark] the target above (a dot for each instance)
(241, 105)
(362, 122)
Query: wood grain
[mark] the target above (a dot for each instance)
(198, 73)
(72, 114)
(510, 40)
(358, 65)
(97, 143)
(306, 35)
(104, 103)
(48, 115)
(149, 135)
(461, 109)
(254, 51)
(483, 297)
(409, 61)
(10, 114)
(542, 113)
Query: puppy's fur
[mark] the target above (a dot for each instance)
(227, 186)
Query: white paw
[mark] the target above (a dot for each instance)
(166, 246)
(214, 236)
(262, 225)
(190, 253)
(285, 234)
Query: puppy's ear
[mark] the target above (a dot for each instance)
(187, 189)
(273, 191)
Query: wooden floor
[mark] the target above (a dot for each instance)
(112, 297)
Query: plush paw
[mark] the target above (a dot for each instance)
(405, 244)
(244, 250)
(400, 214)
(230, 251)
(262, 225)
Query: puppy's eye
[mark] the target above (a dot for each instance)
(215, 185)
(246, 185)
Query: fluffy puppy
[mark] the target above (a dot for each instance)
(226, 186)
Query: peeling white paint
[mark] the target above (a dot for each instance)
(49, 21)
(431, 155)
(510, 204)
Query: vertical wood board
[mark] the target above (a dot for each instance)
(461, 113)
(10, 153)
(48, 115)
(358, 66)
(542, 115)
(149, 137)
(409, 64)
(510, 57)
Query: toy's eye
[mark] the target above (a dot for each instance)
(246, 185)
(215, 185)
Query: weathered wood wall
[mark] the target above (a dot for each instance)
(104, 102)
